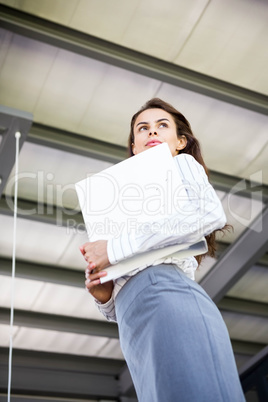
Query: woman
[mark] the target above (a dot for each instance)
(172, 335)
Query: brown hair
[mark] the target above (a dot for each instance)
(192, 148)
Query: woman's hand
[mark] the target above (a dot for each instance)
(95, 253)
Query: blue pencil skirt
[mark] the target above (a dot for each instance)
(174, 340)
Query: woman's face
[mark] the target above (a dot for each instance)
(153, 127)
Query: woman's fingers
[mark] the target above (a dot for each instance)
(96, 252)
(93, 279)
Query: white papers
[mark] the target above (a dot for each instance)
(178, 251)
(128, 197)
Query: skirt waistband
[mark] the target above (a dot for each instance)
(148, 277)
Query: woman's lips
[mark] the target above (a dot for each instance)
(153, 143)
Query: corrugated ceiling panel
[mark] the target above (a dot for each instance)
(66, 300)
(104, 19)
(240, 213)
(25, 292)
(253, 285)
(228, 43)
(193, 33)
(260, 164)
(161, 29)
(5, 334)
(49, 298)
(231, 137)
(63, 342)
(24, 71)
(68, 91)
(59, 11)
(38, 242)
(120, 94)
(246, 327)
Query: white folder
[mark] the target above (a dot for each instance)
(128, 197)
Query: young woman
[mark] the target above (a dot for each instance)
(172, 335)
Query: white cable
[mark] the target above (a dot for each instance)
(17, 136)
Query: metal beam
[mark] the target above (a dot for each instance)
(239, 187)
(239, 257)
(51, 214)
(87, 45)
(256, 360)
(61, 323)
(11, 121)
(253, 375)
(247, 307)
(126, 385)
(74, 143)
(61, 375)
(222, 247)
(246, 348)
(40, 272)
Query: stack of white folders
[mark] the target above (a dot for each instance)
(176, 251)
(148, 183)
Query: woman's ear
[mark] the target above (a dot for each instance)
(182, 142)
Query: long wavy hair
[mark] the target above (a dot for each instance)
(192, 148)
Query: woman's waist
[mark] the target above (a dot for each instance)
(140, 279)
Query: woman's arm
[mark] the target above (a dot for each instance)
(95, 253)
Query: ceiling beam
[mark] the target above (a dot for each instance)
(222, 247)
(238, 258)
(246, 348)
(253, 375)
(61, 375)
(74, 143)
(255, 361)
(125, 384)
(42, 272)
(87, 45)
(241, 306)
(41, 212)
(54, 322)
(239, 187)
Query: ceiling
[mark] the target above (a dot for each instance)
(72, 73)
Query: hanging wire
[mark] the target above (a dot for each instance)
(17, 136)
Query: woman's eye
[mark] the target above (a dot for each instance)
(142, 128)
(163, 125)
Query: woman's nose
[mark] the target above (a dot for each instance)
(152, 133)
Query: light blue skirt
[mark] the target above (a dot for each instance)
(174, 340)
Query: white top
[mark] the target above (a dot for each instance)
(201, 215)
